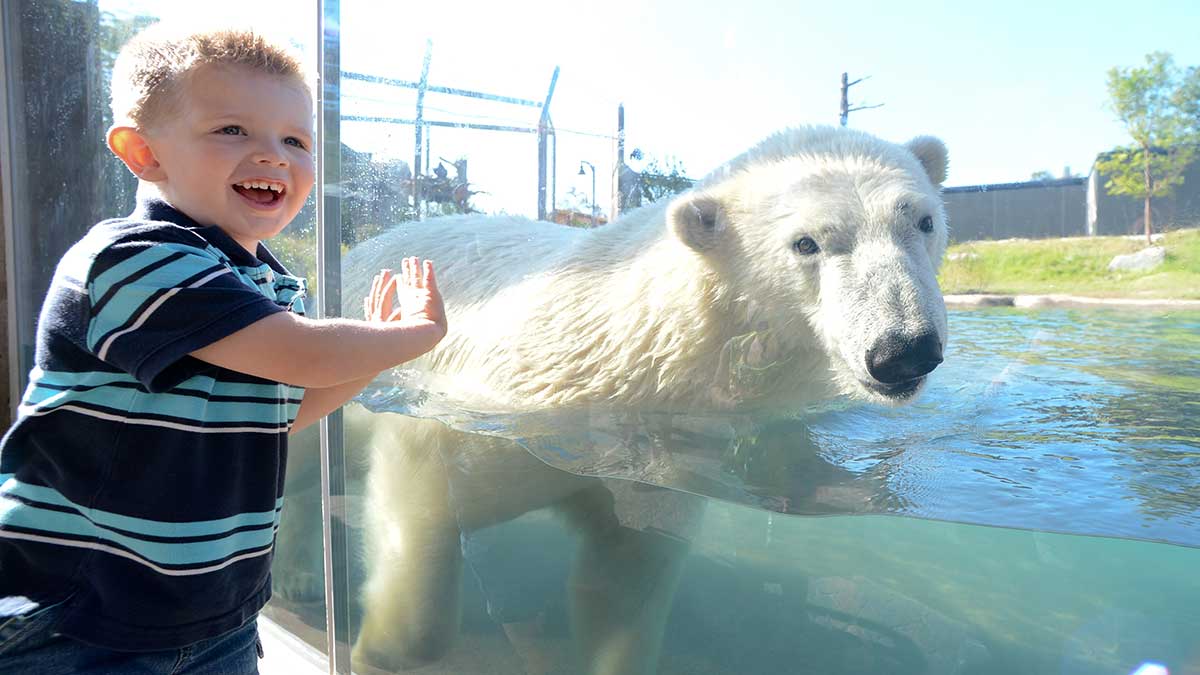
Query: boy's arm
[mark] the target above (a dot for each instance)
(320, 402)
(377, 307)
(316, 354)
(320, 354)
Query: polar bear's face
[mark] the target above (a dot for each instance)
(843, 248)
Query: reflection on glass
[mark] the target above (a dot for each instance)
(63, 177)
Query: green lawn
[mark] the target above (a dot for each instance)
(1074, 266)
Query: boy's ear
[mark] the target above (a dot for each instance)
(130, 145)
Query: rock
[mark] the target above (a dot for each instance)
(1145, 259)
(980, 300)
(878, 616)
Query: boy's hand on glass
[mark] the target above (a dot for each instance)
(419, 294)
(379, 303)
(415, 290)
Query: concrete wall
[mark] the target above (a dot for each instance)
(1041, 209)
(1114, 214)
(1066, 207)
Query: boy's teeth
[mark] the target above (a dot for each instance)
(261, 185)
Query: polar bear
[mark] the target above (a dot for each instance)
(814, 254)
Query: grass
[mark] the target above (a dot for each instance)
(1073, 266)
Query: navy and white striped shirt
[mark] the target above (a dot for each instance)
(141, 485)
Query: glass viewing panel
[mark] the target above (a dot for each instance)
(615, 461)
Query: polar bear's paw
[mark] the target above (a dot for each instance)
(398, 651)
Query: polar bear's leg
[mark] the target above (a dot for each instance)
(298, 569)
(621, 588)
(413, 556)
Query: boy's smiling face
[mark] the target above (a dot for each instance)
(236, 151)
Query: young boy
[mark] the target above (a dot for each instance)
(141, 484)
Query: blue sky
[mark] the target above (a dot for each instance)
(1011, 90)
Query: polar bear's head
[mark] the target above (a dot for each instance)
(835, 238)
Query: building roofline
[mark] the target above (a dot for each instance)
(990, 187)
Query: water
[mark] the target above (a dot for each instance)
(1074, 421)
(1071, 421)
(1040, 428)
(1083, 422)
(898, 595)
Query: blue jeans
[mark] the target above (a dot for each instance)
(29, 644)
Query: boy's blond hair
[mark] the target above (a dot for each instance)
(152, 68)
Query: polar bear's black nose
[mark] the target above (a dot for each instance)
(896, 358)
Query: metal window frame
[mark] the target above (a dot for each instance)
(8, 177)
(329, 280)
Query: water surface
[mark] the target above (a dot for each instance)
(1072, 421)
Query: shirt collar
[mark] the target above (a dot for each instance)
(157, 209)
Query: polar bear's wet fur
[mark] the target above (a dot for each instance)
(821, 243)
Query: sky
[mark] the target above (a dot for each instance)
(1010, 89)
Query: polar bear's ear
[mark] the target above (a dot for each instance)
(698, 219)
(931, 152)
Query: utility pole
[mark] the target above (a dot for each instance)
(418, 126)
(618, 198)
(846, 109)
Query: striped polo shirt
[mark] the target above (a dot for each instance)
(140, 485)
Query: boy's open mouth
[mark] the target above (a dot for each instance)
(261, 192)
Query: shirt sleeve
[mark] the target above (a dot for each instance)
(154, 302)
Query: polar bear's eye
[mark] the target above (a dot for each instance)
(805, 246)
(926, 224)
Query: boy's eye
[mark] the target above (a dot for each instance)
(232, 130)
(292, 140)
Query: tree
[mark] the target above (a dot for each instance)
(658, 181)
(1187, 97)
(1157, 105)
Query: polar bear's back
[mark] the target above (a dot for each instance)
(478, 256)
(524, 297)
(474, 255)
